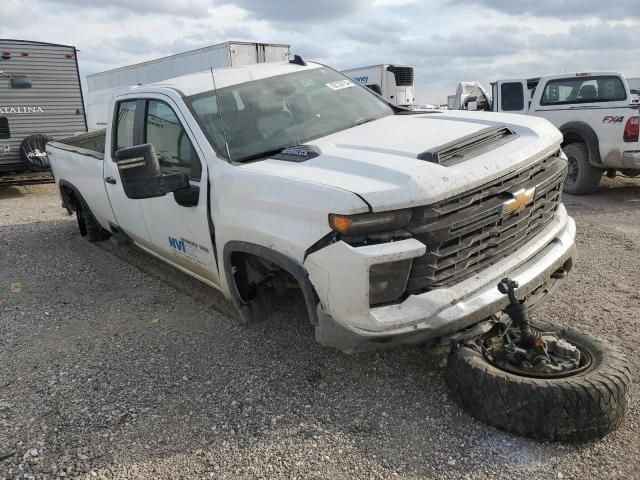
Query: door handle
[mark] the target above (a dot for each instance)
(110, 180)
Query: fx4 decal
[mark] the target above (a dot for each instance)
(611, 119)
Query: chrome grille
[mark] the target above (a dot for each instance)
(470, 232)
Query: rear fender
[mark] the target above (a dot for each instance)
(581, 132)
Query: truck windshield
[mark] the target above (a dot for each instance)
(261, 117)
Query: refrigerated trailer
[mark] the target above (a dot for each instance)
(393, 82)
(101, 87)
(40, 98)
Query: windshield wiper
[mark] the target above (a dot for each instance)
(266, 153)
(362, 121)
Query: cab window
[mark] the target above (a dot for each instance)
(170, 140)
(512, 97)
(573, 90)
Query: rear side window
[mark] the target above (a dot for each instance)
(125, 121)
(5, 133)
(573, 90)
(512, 97)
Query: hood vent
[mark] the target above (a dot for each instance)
(468, 147)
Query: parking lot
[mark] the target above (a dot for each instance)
(113, 365)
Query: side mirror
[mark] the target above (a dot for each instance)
(141, 176)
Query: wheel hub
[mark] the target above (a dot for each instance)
(518, 348)
(551, 356)
(572, 169)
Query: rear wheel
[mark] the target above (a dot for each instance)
(574, 404)
(88, 225)
(582, 177)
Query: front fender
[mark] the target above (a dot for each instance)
(288, 264)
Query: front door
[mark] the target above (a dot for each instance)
(180, 230)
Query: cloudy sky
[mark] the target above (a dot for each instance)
(447, 40)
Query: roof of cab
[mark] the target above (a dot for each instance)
(201, 82)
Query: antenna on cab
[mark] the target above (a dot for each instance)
(224, 132)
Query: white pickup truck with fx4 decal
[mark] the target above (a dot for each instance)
(596, 113)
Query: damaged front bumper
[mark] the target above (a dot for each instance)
(340, 275)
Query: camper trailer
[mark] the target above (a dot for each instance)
(40, 99)
(101, 87)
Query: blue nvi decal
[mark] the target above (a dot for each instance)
(362, 79)
(178, 245)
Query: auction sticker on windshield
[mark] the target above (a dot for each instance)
(340, 84)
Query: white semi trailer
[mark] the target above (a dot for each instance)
(101, 87)
(393, 82)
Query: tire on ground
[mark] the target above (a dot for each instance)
(88, 225)
(577, 408)
(33, 151)
(583, 177)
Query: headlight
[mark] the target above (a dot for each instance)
(370, 222)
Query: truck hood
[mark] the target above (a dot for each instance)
(379, 160)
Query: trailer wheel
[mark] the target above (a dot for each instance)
(33, 151)
(582, 177)
(576, 407)
(88, 225)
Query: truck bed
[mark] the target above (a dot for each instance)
(77, 164)
(91, 144)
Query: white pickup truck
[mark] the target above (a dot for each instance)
(595, 112)
(395, 226)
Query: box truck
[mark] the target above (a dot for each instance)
(393, 82)
(101, 87)
(40, 99)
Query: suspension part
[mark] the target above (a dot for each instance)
(517, 311)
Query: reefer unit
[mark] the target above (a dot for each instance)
(393, 82)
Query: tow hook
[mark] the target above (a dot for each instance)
(559, 274)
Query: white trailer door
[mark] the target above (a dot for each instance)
(276, 53)
(511, 96)
(243, 54)
(248, 54)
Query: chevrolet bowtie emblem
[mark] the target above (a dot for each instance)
(520, 199)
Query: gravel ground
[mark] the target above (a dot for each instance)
(114, 366)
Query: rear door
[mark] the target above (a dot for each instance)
(125, 132)
(511, 96)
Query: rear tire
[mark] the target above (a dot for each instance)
(88, 225)
(581, 407)
(583, 177)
